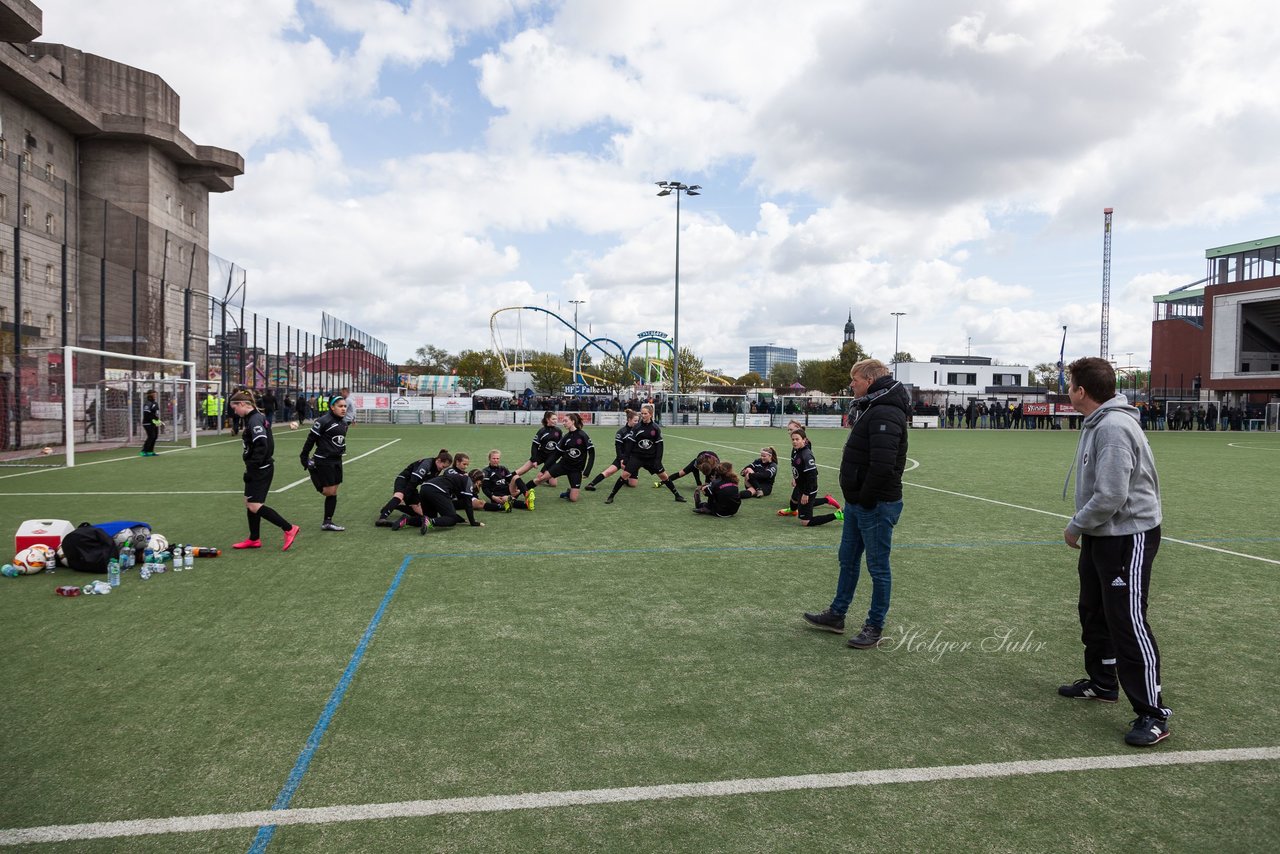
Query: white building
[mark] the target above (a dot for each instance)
(959, 378)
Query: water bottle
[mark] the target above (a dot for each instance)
(10, 571)
(177, 558)
(145, 572)
(113, 573)
(149, 556)
(189, 558)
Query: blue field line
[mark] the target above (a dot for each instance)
(265, 833)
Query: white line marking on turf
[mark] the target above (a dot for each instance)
(916, 464)
(204, 492)
(307, 479)
(629, 794)
(117, 460)
(1163, 539)
(1254, 447)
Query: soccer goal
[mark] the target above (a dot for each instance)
(104, 394)
(1272, 423)
(1192, 415)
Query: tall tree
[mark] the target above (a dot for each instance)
(1046, 373)
(902, 356)
(750, 379)
(613, 372)
(784, 374)
(548, 373)
(433, 360)
(480, 369)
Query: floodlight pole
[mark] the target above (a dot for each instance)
(897, 315)
(668, 187)
(577, 373)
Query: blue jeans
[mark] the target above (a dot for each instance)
(869, 531)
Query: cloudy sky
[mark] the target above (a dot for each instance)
(414, 166)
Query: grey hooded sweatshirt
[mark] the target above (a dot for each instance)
(1117, 489)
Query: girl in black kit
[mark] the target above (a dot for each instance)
(328, 437)
(405, 488)
(619, 451)
(497, 485)
(441, 498)
(804, 492)
(760, 474)
(644, 452)
(575, 455)
(150, 424)
(541, 452)
(721, 491)
(259, 468)
(695, 467)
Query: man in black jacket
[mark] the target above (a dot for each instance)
(875, 456)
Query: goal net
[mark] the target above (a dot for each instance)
(1272, 423)
(104, 395)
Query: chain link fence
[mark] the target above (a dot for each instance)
(77, 270)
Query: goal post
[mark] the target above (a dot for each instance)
(70, 410)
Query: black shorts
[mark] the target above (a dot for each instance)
(651, 464)
(257, 483)
(574, 474)
(762, 487)
(326, 474)
(806, 509)
(403, 486)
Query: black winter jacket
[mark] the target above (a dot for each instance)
(876, 452)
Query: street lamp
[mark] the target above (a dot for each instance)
(897, 315)
(577, 376)
(669, 187)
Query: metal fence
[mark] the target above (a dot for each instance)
(77, 270)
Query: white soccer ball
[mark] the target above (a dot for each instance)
(158, 543)
(46, 450)
(34, 560)
(293, 425)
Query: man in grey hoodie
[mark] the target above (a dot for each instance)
(1116, 527)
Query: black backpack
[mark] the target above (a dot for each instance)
(88, 549)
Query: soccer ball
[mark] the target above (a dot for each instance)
(34, 560)
(46, 451)
(293, 425)
(158, 543)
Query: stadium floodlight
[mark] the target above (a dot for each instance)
(668, 187)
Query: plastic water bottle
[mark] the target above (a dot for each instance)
(149, 556)
(145, 572)
(177, 558)
(10, 571)
(113, 572)
(189, 558)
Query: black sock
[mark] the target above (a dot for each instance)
(596, 480)
(414, 520)
(822, 520)
(671, 486)
(389, 508)
(255, 524)
(330, 505)
(491, 507)
(274, 518)
(675, 476)
(617, 484)
(521, 487)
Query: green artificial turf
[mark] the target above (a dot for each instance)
(591, 646)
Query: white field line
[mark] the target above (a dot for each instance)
(117, 460)
(1067, 517)
(1254, 447)
(630, 794)
(307, 479)
(1163, 539)
(68, 494)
